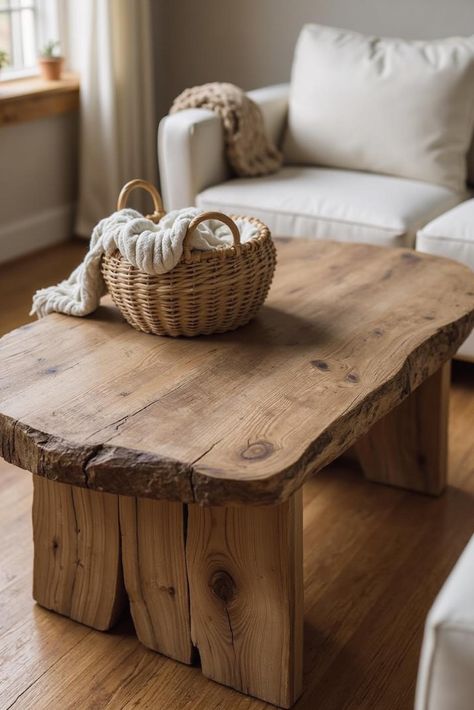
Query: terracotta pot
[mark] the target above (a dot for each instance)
(50, 68)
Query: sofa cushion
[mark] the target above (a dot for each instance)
(445, 676)
(323, 203)
(383, 105)
(452, 235)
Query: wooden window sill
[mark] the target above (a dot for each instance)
(32, 98)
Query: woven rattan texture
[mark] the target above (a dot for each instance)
(207, 292)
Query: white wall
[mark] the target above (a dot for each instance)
(38, 166)
(250, 42)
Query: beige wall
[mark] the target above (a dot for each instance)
(250, 42)
(38, 161)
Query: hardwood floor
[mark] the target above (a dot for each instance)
(21, 278)
(374, 558)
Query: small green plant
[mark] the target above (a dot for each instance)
(49, 50)
(3, 59)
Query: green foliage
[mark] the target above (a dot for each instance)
(3, 59)
(49, 51)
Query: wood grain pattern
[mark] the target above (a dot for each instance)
(409, 446)
(153, 552)
(349, 330)
(361, 543)
(77, 561)
(245, 568)
(30, 99)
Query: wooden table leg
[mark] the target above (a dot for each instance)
(77, 565)
(153, 552)
(408, 447)
(245, 575)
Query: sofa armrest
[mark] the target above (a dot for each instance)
(191, 154)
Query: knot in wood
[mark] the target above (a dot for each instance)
(320, 365)
(257, 451)
(352, 377)
(223, 586)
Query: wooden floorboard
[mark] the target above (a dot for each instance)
(374, 559)
(19, 279)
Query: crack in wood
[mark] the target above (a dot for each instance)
(119, 422)
(212, 446)
(88, 461)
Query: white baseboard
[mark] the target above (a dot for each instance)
(40, 230)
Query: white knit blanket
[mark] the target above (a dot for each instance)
(152, 248)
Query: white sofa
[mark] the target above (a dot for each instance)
(349, 102)
(446, 670)
(299, 200)
(451, 235)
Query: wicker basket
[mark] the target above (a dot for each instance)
(207, 291)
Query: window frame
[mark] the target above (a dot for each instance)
(47, 20)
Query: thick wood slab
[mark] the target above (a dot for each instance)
(349, 330)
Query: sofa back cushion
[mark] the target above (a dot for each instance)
(382, 105)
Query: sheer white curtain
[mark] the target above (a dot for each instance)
(110, 44)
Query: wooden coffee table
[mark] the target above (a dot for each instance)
(170, 471)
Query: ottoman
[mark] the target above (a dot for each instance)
(446, 672)
(452, 235)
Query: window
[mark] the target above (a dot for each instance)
(25, 27)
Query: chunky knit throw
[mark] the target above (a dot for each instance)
(152, 248)
(248, 149)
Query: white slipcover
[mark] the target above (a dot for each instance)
(309, 201)
(191, 146)
(323, 203)
(452, 235)
(392, 106)
(446, 671)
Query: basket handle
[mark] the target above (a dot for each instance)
(151, 189)
(203, 218)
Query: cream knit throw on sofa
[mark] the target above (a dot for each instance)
(248, 149)
(152, 248)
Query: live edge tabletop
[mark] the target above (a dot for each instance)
(347, 332)
(352, 347)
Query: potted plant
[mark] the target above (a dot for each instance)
(3, 59)
(50, 62)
